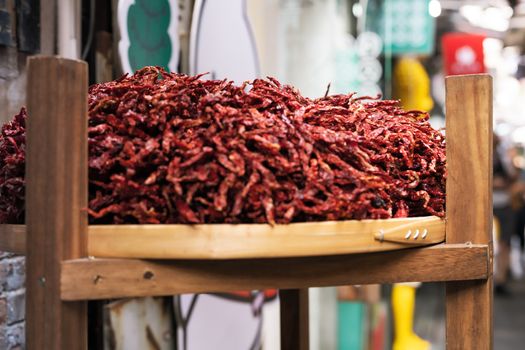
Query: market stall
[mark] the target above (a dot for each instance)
(70, 261)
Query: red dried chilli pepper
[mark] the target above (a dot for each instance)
(171, 148)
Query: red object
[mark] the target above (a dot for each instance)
(378, 328)
(463, 53)
(269, 294)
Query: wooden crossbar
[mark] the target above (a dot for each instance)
(117, 278)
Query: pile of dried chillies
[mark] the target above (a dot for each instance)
(171, 148)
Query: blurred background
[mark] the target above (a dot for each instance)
(398, 49)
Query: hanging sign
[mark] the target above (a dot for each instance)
(405, 26)
(148, 34)
(463, 53)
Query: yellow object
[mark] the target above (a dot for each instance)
(403, 304)
(497, 228)
(412, 84)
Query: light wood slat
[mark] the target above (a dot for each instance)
(13, 238)
(223, 241)
(469, 205)
(114, 278)
(56, 198)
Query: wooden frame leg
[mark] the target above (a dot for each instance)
(469, 205)
(294, 319)
(469, 315)
(56, 199)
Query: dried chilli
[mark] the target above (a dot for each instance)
(171, 148)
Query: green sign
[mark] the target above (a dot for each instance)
(149, 37)
(150, 44)
(405, 26)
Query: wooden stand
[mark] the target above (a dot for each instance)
(469, 205)
(61, 276)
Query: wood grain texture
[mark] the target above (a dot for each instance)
(115, 278)
(469, 315)
(224, 241)
(469, 205)
(56, 198)
(13, 239)
(469, 158)
(294, 319)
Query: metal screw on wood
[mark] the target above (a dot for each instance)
(381, 235)
(42, 281)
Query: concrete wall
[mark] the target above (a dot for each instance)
(12, 82)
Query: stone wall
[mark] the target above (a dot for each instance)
(12, 301)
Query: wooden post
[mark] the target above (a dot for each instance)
(469, 205)
(56, 198)
(294, 319)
